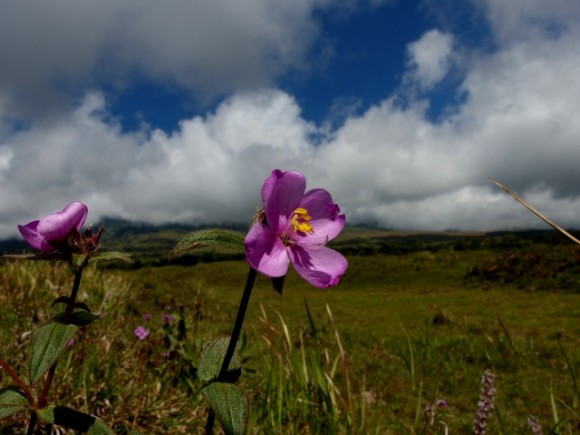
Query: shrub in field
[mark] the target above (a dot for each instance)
(535, 268)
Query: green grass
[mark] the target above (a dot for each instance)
(398, 333)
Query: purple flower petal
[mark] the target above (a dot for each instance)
(54, 227)
(326, 220)
(58, 226)
(265, 251)
(32, 237)
(320, 266)
(141, 332)
(281, 195)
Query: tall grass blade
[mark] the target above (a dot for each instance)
(418, 405)
(313, 329)
(411, 363)
(536, 212)
(572, 375)
(342, 359)
(507, 336)
(500, 421)
(555, 416)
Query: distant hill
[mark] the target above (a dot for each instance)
(139, 239)
(151, 244)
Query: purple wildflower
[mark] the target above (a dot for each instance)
(441, 403)
(167, 318)
(485, 405)
(535, 425)
(141, 332)
(47, 233)
(294, 228)
(147, 317)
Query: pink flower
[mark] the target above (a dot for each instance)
(141, 332)
(295, 227)
(486, 403)
(46, 234)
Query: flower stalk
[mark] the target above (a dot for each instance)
(233, 339)
(42, 400)
(486, 403)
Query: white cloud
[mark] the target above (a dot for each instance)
(210, 48)
(208, 171)
(429, 58)
(520, 123)
(522, 20)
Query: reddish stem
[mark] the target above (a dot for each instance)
(18, 381)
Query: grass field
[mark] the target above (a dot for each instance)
(373, 355)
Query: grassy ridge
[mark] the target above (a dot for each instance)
(400, 332)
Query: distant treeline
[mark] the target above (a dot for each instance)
(150, 245)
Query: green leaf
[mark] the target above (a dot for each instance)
(11, 400)
(111, 256)
(211, 360)
(61, 300)
(67, 417)
(230, 406)
(47, 344)
(79, 318)
(82, 306)
(212, 238)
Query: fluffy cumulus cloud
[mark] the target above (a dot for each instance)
(519, 121)
(429, 58)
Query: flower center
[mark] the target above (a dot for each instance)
(297, 224)
(300, 221)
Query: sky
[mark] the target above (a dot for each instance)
(177, 111)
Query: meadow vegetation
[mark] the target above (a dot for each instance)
(416, 321)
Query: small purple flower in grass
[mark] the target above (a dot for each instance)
(167, 318)
(294, 228)
(147, 317)
(141, 332)
(47, 233)
(535, 425)
(485, 405)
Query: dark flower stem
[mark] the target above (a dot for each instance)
(50, 376)
(73, 294)
(234, 339)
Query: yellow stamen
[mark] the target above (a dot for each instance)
(300, 219)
